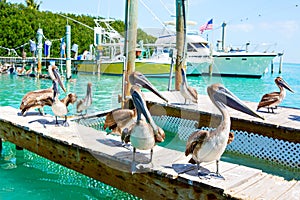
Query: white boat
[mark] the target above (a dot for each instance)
(110, 60)
(203, 60)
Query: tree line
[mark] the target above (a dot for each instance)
(19, 24)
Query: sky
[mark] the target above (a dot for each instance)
(274, 23)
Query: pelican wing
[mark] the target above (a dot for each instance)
(268, 99)
(196, 139)
(118, 116)
(35, 99)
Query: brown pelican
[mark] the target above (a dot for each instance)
(272, 100)
(122, 118)
(206, 146)
(84, 104)
(141, 134)
(187, 92)
(59, 108)
(40, 98)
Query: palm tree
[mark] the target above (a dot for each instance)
(32, 4)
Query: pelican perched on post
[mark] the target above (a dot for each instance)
(84, 104)
(272, 100)
(144, 133)
(121, 118)
(186, 91)
(206, 146)
(40, 98)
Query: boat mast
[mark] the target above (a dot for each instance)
(223, 36)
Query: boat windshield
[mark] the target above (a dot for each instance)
(195, 46)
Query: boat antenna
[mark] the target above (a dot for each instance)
(75, 21)
(184, 29)
(164, 5)
(152, 13)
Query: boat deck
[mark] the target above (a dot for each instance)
(102, 157)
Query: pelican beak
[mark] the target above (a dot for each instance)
(140, 79)
(223, 95)
(55, 90)
(183, 75)
(285, 85)
(54, 75)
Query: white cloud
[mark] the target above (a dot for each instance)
(242, 27)
(287, 29)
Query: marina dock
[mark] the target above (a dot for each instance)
(283, 124)
(102, 157)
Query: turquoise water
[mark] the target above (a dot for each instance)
(26, 175)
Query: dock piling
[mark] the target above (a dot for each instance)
(40, 48)
(131, 33)
(68, 51)
(180, 61)
(280, 62)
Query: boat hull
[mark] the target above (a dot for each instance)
(148, 68)
(239, 65)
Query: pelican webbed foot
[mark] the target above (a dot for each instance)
(41, 111)
(65, 123)
(217, 173)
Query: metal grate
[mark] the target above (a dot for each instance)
(276, 151)
(96, 122)
(183, 127)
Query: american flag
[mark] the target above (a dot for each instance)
(207, 26)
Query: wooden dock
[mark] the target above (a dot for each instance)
(102, 157)
(284, 124)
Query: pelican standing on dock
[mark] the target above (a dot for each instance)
(272, 100)
(207, 146)
(186, 91)
(142, 135)
(58, 108)
(84, 104)
(121, 118)
(40, 98)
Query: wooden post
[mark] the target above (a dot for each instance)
(280, 62)
(131, 32)
(272, 67)
(40, 49)
(0, 146)
(68, 51)
(179, 44)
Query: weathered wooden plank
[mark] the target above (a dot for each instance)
(235, 190)
(269, 187)
(292, 194)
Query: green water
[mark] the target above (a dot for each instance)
(25, 175)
